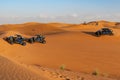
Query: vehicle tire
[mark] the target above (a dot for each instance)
(31, 40)
(43, 42)
(10, 40)
(11, 43)
(98, 34)
(111, 34)
(24, 44)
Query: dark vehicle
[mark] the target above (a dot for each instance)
(104, 31)
(37, 38)
(18, 39)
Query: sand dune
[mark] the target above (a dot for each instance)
(76, 47)
(10, 70)
(31, 28)
(59, 24)
(94, 25)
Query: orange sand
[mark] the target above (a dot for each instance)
(72, 45)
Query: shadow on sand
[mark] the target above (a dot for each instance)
(89, 33)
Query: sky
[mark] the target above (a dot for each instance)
(66, 11)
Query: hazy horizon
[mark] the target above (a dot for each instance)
(67, 11)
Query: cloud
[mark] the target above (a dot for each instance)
(70, 18)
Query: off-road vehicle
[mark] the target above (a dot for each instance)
(37, 38)
(104, 31)
(18, 39)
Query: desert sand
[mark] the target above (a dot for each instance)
(71, 45)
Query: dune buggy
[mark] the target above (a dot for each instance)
(36, 38)
(17, 39)
(104, 31)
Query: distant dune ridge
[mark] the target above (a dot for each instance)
(31, 28)
(72, 45)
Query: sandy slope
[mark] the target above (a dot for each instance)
(77, 48)
(10, 70)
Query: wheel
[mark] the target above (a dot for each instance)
(10, 40)
(43, 42)
(111, 34)
(11, 43)
(31, 40)
(98, 34)
(24, 44)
